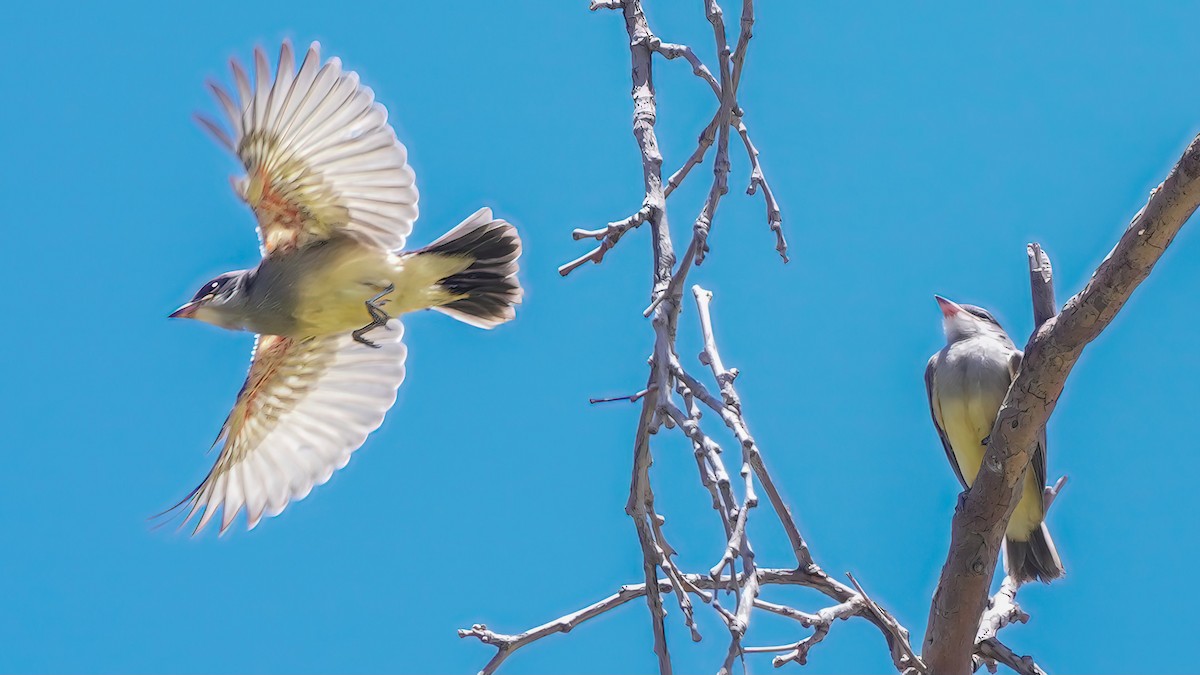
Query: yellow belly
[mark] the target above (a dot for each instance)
(966, 425)
(333, 291)
(967, 421)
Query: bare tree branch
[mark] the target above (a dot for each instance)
(1041, 285)
(674, 398)
(1003, 610)
(759, 180)
(729, 409)
(902, 651)
(820, 622)
(728, 113)
(993, 651)
(1051, 493)
(608, 236)
(632, 398)
(507, 644)
(978, 525)
(640, 505)
(674, 51)
(757, 177)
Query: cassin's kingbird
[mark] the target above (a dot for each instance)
(335, 200)
(967, 382)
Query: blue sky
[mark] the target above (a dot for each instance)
(914, 150)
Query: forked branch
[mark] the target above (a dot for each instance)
(676, 398)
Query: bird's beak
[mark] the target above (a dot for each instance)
(188, 311)
(949, 307)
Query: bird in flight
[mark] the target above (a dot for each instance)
(335, 200)
(966, 382)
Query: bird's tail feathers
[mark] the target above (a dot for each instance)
(1036, 559)
(485, 293)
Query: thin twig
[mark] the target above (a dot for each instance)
(507, 644)
(707, 137)
(820, 623)
(898, 638)
(674, 51)
(609, 237)
(758, 180)
(632, 398)
(730, 411)
(1050, 493)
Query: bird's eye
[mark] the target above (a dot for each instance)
(211, 288)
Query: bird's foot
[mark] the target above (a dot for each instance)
(358, 336)
(962, 500)
(379, 318)
(987, 440)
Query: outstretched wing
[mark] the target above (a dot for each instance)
(319, 155)
(306, 405)
(935, 412)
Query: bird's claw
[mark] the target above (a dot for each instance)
(379, 318)
(358, 336)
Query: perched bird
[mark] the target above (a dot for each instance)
(335, 200)
(967, 382)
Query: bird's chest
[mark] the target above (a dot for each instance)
(972, 381)
(324, 290)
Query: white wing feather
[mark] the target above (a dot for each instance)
(305, 407)
(319, 154)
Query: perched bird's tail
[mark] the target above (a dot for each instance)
(1033, 559)
(484, 292)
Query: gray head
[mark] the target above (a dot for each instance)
(965, 321)
(217, 302)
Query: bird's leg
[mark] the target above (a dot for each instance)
(379, 318)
